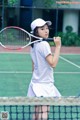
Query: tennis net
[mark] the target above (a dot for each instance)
(23, 108)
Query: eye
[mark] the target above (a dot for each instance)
(42, 28)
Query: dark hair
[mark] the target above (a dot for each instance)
(35, 33)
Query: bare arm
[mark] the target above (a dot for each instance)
(53, 60)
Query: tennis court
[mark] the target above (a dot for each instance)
(16, 71)
(15, 75)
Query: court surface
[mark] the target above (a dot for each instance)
(16, 71)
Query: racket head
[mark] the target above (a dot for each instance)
(14, 38)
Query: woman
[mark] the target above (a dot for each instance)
(43, 62)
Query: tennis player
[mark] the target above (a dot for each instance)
(43, 63)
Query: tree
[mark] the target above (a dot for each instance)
(44, 3)
(48, 3)
(13, 2)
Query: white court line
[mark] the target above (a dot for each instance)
(25, 72)
(67, 72)
(70, 62)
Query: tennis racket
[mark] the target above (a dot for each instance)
(16, 38)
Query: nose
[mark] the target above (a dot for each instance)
(46, 30)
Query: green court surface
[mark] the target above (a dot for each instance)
(16, 71)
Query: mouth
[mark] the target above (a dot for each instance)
(46, 35)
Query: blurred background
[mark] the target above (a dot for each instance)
(64, 14)
(16, 66)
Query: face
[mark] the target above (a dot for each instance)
(43, 31)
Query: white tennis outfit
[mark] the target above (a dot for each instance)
(42, 81)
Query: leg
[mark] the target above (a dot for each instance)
(41, 112)
(36, 114)
(44, 112)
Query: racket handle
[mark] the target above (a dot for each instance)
(48, 39)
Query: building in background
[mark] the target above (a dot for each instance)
(16, 13)
(22, 12)
(61, 14)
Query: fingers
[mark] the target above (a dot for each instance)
(57, 41)
(57, 38)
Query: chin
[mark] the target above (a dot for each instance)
(46, 37)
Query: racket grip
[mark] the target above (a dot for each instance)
(48, 39)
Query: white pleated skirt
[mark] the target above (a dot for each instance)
(43, 90)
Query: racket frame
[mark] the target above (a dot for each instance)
(38, 39)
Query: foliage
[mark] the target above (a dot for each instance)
(48, 3)
(51, 43)
(69, 29)
(69, 39)
(12, 2)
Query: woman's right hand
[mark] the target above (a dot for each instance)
(57, 41)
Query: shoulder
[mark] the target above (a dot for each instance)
(44, 48)
(41, 46)
(44, 44)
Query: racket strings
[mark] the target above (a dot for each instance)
(14, 38)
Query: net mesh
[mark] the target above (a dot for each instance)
(23, 108)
